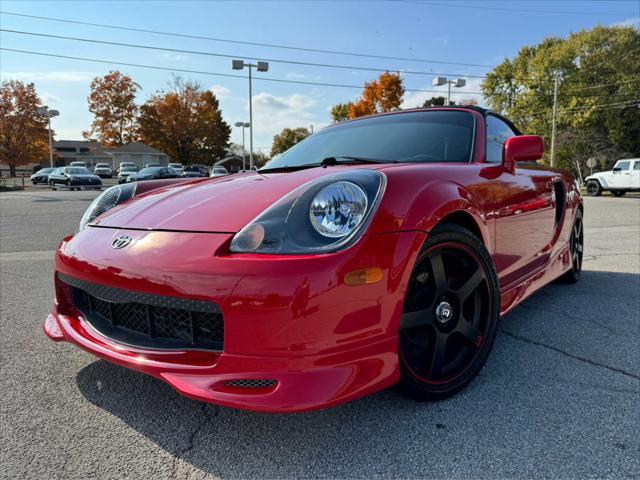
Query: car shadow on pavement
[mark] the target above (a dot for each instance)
(546, 371)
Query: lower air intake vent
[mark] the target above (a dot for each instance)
(146, 320)
(251, 383)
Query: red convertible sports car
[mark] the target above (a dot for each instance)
(378, 251)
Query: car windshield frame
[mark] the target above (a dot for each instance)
(343, 147)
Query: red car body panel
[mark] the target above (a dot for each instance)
(292, 318)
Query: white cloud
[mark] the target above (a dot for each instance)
(629, 22)
(220, 91)
(416, 99)
(62, 77)
(176, 57)
(50, 99)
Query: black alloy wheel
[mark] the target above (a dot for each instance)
(450, 315)
(593, 188)
(618, 193)
(576, 249)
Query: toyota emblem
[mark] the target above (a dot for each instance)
(121, 241)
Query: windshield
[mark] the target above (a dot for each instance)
(46, 170)
(175, 165)
(150, 170)
(431, 136)
(102, 165)
(77, 171)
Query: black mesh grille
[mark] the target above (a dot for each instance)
(146, 320)
(251, 383)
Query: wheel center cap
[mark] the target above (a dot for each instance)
(444, 312)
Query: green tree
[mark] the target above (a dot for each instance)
(340, 112)
(436, 102)
(23, 130)
(186, 123)
(598, 71)
(286, 139)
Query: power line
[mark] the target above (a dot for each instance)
(602, 106)
(216, 74)
(622, 82)
(223, 55)
(243, 42)
(506, 9)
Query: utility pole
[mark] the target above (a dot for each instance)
(553, 121)
(49, 113)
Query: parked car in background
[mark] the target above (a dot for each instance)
(192, 171)
(41, 176)
(177, 167)
(149, 165)
(78, 164)
(152, 173)
(125, 172)
(380, 250)
(103, 170)
(625, 177)
(74, 178)
(128, 166)
(218, 172)
(203, 169)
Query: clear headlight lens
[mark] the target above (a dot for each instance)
(106, 201)
(338, 209)
(323, 215)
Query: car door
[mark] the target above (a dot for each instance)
(524, 209)
(635, 176)
(621, 177)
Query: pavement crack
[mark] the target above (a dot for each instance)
(570, 355)
(191, 440)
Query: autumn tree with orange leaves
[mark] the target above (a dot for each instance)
(186, 123)
(112, 102)
(23, 131)
(382, 95)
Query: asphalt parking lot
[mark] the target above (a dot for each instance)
(558, 398)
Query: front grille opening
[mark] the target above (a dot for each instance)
(146, 320)
(251, 383)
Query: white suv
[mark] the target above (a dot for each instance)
(625, 177)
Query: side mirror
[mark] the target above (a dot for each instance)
(523, 148)
(616, 169)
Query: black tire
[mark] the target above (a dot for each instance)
(52, 185)
(618, 193)
(594, 189)
(450, 317)
(576, 249)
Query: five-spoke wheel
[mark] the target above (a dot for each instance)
(450, 314)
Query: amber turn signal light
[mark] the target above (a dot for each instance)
(364, 276)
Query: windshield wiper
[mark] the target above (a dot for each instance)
(337, 160)
(329, 161)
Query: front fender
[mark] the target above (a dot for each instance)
(422, 208)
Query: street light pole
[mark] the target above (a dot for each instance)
(49, 113)
(261, 67)
(456, 82)
(243, 125)
(553, 121)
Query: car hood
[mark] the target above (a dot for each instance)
(223, 204)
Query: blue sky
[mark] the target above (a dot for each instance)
(436, 30)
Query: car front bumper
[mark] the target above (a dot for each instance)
(290, 320)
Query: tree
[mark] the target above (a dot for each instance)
(23, 131)
(186, 123)
(340, 112)
(112, 102)
(436, 102)
(382, 95)
(597, 70)
(286, 139)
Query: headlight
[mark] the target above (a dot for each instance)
(338, 209)
(106, 201)
(321, 216)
